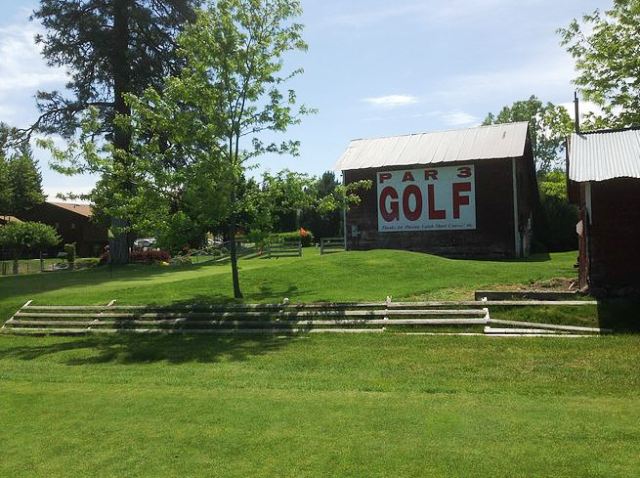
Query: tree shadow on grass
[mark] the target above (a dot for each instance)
(48, 282)
(619, 315)
(136, 349)
(128, 347)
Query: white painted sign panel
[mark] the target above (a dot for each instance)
(427, 199)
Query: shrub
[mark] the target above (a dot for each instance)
(303, 235)
(559, 230)
(149, 257)
(70, 251)
(27, 236)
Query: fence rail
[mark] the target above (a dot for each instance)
(25, 266)
(331, 244)
(425, 318)
(285, 249)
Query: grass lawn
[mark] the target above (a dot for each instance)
(374, 406)
(370, 276)
(386, 406)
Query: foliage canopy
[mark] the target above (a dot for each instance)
(605, 47)
(549, 125)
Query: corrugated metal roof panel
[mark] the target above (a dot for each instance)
(604, 155)
(483, 142)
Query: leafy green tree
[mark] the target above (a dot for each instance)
(325, 223)
(560, 217)
(207, 123)
(287, 195)
(111, 48)
(605, 47)
(20, 237)
(343, 197)
(549, 126)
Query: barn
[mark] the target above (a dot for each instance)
(461, 193)
(604, 182)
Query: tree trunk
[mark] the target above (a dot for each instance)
(119, 244)
(237, 293)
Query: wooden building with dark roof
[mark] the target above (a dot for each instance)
(74, 224)
(604, 182)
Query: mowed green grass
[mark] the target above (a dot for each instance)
(348, 406)
(352, 276)
(353, 406)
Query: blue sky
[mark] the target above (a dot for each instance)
(374, 68)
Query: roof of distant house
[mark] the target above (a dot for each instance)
(82, 209)
(602, 155)
(483, 142)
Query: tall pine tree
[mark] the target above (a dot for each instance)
(25, 181)
(111, 48)
(5, 183)
(20, 178)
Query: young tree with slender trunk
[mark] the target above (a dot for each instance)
(207, 124)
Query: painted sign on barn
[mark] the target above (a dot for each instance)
(425, 199)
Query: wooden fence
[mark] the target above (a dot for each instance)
(424, 318)
(284, 249)
(331, 244)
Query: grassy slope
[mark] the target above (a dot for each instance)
(337, 277)
(320, 406)
(313, 406)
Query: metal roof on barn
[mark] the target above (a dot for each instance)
(603, 155)
(482, 142)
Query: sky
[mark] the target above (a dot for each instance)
(373, 68)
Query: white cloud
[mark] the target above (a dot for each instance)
(23, 72)
(586, 107)
(460, 118)
(52, 192)
(543, 76)
(391, 101)
(22, 67)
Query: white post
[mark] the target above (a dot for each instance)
(344, 218)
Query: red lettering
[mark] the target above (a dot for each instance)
(431, 174)
(412, 190)
(385, 177)
(464, 172)
(393, 213)
(408, 176)
(433, 212)
(459, 200)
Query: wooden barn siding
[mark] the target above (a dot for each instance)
(493, 238)
(615, 233)
(529, 205)
(90, 238)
